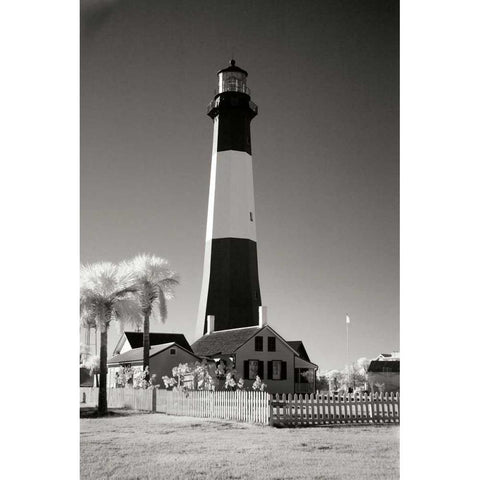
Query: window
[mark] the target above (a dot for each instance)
(387, 369)
(251, 216)
(252, 369)
(271, 344)
(259, 344)
(173, 351)
(276, 369)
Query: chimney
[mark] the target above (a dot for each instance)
(210, 324)
(262, 316)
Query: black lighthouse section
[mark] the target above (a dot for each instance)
(234, 290)
(235, 110)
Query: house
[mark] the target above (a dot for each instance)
(130, 340)
(383, 374)
(163, 358)
(260, 350)
(394, 356)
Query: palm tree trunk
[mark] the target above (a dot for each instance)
(146, 341)
(102, 392)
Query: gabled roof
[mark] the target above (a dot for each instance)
(223, 342)
(136, 339)
(298, 346)
(136, 354)
(227, 342)
(379, 365)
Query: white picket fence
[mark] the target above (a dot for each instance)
(134, 399)
(242, 406)
(257, 407)
(327, 409)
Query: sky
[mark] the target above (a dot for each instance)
(325, 147)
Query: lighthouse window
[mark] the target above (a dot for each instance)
(251, 216)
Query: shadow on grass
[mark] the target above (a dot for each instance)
(92, 412)
(336, 426)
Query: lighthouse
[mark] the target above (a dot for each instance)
(230, 286)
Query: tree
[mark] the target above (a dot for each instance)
(334, 378)
(155, 284)
(322, 383)
(107, 293)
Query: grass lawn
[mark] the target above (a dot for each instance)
(131, 445)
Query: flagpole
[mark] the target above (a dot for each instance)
(347, 323)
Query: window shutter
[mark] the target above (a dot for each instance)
(260, 369)
(245, 370)
(269, 370)
(284, 371)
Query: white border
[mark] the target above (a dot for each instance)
(439, 229)
(439, 238)
(40, 238)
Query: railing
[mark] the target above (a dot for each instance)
(216, 102)
(309, 410)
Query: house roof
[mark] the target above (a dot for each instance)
(226, 342)
(302, 363)
(136, 354)
(378, 366)
(223, 342)
(136, 339)
(298, 346)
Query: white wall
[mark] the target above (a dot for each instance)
(247, 352)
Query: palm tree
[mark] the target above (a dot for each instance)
(107, 292)
(155, 283)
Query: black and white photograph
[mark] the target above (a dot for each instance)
(224, 224)
(239, 208)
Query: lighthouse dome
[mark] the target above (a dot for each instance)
(232, 79)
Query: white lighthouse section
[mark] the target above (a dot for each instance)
(231, 206)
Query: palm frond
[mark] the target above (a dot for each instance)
(127, 310)
(155, 282)
(162, 306)
(102, 286)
